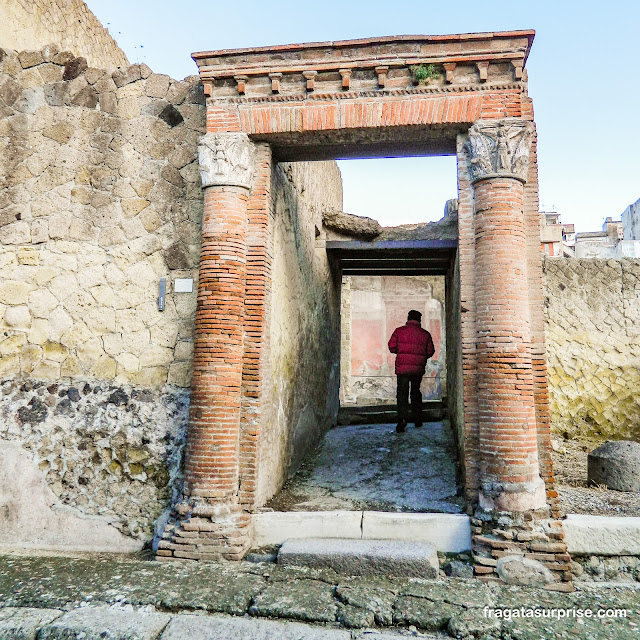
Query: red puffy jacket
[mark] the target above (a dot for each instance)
(413, 346)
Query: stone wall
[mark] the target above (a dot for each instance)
(112, 451)
(100, 198)
(68, 24)
(593, 346)
(304, 324)
(455, 385)
(376, 306)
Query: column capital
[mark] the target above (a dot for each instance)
(226, 159)
(499, 149)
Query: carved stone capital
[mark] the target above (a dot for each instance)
(499, 149)
(226, 159)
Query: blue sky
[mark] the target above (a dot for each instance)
(584, 78)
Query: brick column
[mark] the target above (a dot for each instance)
(509, 471)
(210, 521)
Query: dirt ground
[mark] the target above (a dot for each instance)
(570, 466)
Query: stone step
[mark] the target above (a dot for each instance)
(347, 556)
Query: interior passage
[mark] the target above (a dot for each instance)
(371, 467)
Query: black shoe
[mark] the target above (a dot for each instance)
(400, 428)
(418, 424)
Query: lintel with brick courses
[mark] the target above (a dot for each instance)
(363, 98)
(368, 118)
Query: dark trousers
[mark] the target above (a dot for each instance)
(404, 382)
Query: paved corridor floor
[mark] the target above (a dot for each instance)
(373, 467)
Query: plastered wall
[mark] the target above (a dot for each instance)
(304, 324)
(67, 24)
(372, 307)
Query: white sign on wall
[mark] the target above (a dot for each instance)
(183, 285)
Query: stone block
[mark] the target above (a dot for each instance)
(352, 225)
(12, 345)
(180, 374)
(602, 535)
(151, 377)
(206, 628)
(87, 97)
(171, 116)
(157, 86)
(96, 623)
(15, 233)
(30, 58)
(104, 368)
(60, 132)
(616, 465)
(28, 256)
(448, 532)
(14, 292)
(9, 365)
(123, 77)
(458, 569)
(362, 557)
(274, 527)
(523, 571)
(21, 623)
(46, 371)
(41, 303)
(10, 91)
(74, 68)
(17, 317)
(134, 206)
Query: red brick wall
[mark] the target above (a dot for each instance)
(507, 425)
(467, 256)
(256, 337)
(212, 453)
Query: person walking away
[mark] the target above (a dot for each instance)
(413, 346)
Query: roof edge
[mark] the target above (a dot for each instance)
(486, 35)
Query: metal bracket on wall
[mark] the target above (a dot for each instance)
(162, 294)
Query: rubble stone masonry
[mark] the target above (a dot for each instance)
(592, 311)
(100, 198)
(34, 24)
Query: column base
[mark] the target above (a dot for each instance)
(518, 497)
(530, 540)
(206, 531)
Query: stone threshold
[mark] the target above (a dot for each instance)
(449, 533)
(602, 535)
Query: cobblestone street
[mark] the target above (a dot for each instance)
(329, 605)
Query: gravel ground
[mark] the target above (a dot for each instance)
(570, 465)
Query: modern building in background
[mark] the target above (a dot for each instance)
(616, 239)
(631, 221)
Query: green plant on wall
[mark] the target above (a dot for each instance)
(423, 73)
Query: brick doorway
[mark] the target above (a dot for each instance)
(413, 95)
